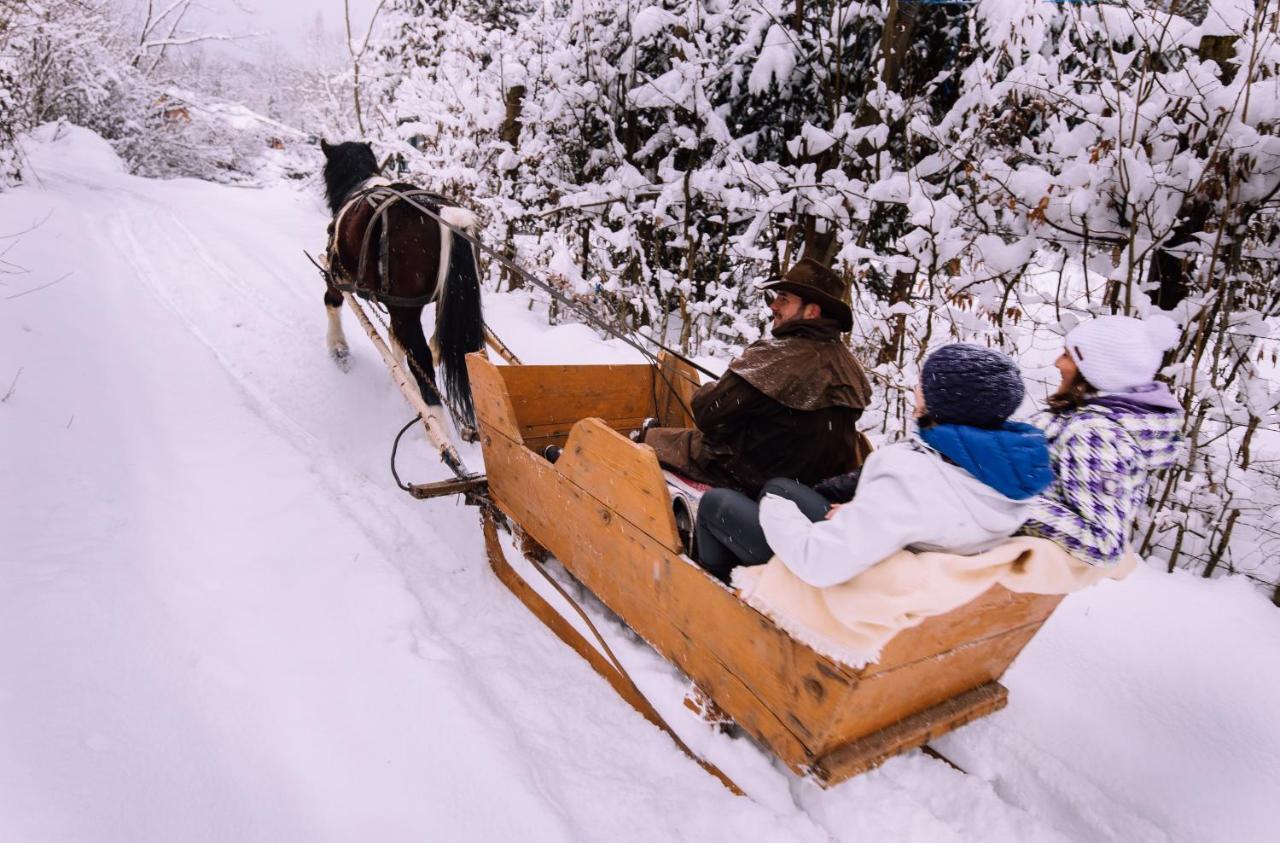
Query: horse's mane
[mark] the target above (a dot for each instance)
(346, 166)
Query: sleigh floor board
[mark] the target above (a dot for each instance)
(604, 511)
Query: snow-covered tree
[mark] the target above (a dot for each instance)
(117, 67)
(986, 171)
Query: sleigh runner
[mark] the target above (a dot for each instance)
(605, 512)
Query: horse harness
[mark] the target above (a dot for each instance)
(381, 195)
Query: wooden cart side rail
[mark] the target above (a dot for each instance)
(884, 699)
(993, 613)
(910, 733)
(538, 436)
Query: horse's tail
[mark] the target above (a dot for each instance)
(459, 321)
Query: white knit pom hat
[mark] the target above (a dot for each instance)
(1119, 353)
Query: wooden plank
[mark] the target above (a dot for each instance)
(460, 486)
(539, 436)
(567, 633)
(489, 394)
(677, 381)
(885, 698)
(549, 395)
(623, 476)
(622, 424)
(874, 749)
(995, 611)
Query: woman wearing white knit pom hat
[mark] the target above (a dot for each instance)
(1109, 426)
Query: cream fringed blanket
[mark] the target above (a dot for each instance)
(852, 621)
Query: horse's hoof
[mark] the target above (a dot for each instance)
(342, 356)
(468, 433)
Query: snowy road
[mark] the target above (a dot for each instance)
(220, 620)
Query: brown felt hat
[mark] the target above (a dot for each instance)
(815, 283)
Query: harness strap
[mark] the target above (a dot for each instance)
(380, 297)
(380, 197)
(379, 214)
(384, 256)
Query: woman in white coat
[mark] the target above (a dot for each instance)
(963, 483)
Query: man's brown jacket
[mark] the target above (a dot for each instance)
(786, 408)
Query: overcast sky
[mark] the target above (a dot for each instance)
(286, 22)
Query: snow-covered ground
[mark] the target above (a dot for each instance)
(221, 621)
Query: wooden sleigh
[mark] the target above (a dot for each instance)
(604, 511)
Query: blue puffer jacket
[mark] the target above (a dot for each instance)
(1013, 459)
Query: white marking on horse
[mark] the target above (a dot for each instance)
(336, 339)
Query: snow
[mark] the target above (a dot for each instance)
(650, 21)
(999, 257)
(775, 63)
(223, 622)
(1227, 17)
(1148, 706)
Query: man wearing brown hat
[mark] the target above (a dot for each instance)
(788, 406)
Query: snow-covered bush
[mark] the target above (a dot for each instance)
(10, 171)
(1136, 154)
(107, 65)
(990, 171)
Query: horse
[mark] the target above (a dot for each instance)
(384, 248)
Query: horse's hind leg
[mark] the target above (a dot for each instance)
(335, 338)
(406, 330)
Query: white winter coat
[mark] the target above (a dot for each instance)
(908, 497)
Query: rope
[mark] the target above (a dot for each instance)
(622, 671)
(395, 446)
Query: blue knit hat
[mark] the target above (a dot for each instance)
(971, 384)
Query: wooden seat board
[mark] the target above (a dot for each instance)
(562, 395)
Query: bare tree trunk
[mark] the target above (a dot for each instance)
(1221, 549)
(355, 69)
(357, 55)
(511, 126)
(509, 132)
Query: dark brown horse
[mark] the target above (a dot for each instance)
(384, 248)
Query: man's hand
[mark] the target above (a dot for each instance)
(832, 511)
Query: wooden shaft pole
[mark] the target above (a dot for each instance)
(430, 417)
(499, 346)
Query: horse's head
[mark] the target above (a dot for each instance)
(345, 166)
